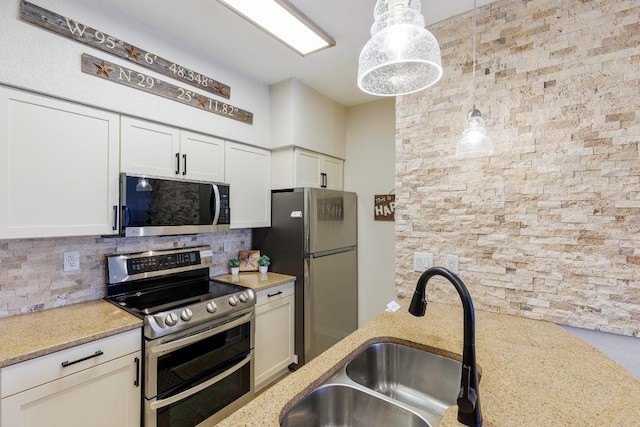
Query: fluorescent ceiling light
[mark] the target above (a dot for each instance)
(284, 22)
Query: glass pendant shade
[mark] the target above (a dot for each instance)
(143, 185)
(402, 56)
(474, 142)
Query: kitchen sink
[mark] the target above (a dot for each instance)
(412, 376)
(385, 384)
(343, 405)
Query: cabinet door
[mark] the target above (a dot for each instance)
(59, 174)
(274, 339)
(335, 172)
(150, 148)
(309, 168)
(106, 395)
(202, 157)
(248, 171)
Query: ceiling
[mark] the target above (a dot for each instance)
(210, 29)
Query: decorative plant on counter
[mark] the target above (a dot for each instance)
(264, 262)
(234, 265)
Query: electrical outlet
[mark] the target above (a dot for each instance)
(72, 261)
(226, 245)
(452, 263)
(422, 261)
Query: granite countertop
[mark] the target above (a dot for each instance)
(30, 335)
(534, 373)
(256, 281)
(27, 336)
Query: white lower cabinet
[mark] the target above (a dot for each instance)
(275, 333)
(99, 386)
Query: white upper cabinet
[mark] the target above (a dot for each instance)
(247, 172)
(59, 167)
(202, 157)
(149, 148)
(295, 167)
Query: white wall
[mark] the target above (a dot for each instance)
(302, 116)
(369, 170)
(42, 61)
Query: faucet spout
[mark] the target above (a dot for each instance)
(469, 412)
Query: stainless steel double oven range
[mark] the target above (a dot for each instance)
(198, 334)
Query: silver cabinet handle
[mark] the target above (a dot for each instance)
(115, 217)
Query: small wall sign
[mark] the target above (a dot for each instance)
(384, 207)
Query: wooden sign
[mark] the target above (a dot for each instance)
(118, 74)
(384, 207)
(79, 32)
(248, 260)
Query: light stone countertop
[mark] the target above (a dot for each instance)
(256, 281)
(534, 373)
(30, 335)
(27, 336)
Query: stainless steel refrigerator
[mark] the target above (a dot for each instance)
(313, 236)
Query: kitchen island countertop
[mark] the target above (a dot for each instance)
(534, 373)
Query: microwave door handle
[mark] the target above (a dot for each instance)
(214, 203)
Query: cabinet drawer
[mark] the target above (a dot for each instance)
(274, 294)
(34, 372)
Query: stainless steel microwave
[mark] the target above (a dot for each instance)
(151, 206)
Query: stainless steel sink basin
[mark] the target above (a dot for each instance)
(343, 405)
(409, 375)
(386, 384)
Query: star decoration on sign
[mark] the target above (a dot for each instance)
(132, 53)
(103, 69)
(249, 261)
(218, 87)
(202, 101)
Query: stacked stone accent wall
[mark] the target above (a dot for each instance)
(32, 276)
(549, 226)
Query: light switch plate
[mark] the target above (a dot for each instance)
(422, 261)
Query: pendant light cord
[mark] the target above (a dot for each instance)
(473, 64)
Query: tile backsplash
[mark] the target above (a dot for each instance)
(32, 276)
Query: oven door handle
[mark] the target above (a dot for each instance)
(172, 345)
(173, 399)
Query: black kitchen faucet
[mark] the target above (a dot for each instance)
(469, 398)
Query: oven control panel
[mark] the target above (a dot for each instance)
(162, 262)
(128, 267)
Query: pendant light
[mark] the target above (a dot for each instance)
(143, 185)
(402, 56)
(474, 142)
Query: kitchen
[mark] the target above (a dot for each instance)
(572, 263)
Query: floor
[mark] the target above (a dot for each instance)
(624, 350)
